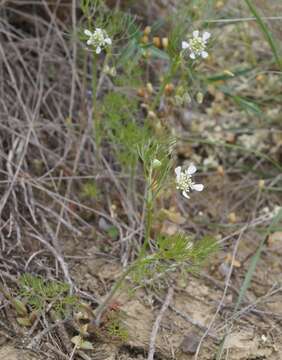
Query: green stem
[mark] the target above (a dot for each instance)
(131, 182)
(168, 78)
(94, 100)
(149, 214)
(148, 226)
(95, 89)
(103, 306)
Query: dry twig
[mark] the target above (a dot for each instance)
(158, 322)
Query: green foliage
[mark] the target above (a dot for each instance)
(171, 253)
(92, 8)
(266, 32)
(203, 249)
(116, 329)
(113, 232)
(176, 35)
(90, 190)
(132, 139)
(176, 248)
(39, 293)
(19, 306)
(159, 149)
(123, 132)
(123, 26)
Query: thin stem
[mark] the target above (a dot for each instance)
(149, 214)
(157, 324)
(94, 100)
(168, 78)
(103, 306)
(73, 351)
(96, 88)
(131, 183)
(148, 226)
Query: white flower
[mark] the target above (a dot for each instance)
(197, 45)
(99, 39)
(184, 180)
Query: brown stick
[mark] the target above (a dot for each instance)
(157, 324)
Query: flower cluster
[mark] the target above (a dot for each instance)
(184, 180)
(99, 39)
(197, 45)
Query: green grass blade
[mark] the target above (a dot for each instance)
(254, 261)
(220, 349)
(268, 36)
(249, 274)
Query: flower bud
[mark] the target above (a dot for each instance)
(142, 92)
(232, 218)
(228, 72)
(146, 54)
(150, 88)
(261, 184)
(178, 100)
(147, 30)
(220, 170)
(199, 97)
(186, 98)
(156, 163)
(151, 114)
(157, 41)
(169, 89)
(165, 42)
(145, 39)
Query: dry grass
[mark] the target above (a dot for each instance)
(47, 152)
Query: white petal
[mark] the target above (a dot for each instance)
(198, 187)
(177, 172)
(191, 169)
(87, 32)
(204, 54)
(89, 42)
(108, 41)
(185, 45)
(98, 50)
(184, 193)
(196, 33)
(192, 56)
(206, 35)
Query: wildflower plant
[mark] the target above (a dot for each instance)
(155, 261)
(156, 160)
(133, 133)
